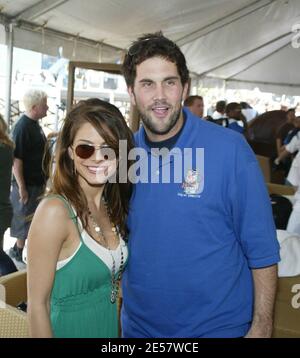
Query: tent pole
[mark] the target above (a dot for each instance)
(198, 84)
(9, 32)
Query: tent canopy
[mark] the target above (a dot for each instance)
(247, 43)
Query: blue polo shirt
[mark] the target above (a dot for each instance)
(193, 244)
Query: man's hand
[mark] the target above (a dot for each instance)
(277, 161)
(262, 330)
(265, 283)
(23, 195)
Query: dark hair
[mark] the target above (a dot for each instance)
(232, 106)
(110, 124)
(220, 106)
(153, 45)
(291, 110)
(245, 105)
(189, 101)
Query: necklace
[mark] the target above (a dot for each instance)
(115, 276)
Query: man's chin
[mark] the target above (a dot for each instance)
(158, 129)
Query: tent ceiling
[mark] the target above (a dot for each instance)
(246, 42)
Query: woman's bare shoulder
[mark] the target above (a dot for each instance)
(53, 208)
(51, 220)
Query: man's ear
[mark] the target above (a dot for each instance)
(185, 91)
(71, 155)
(132, 96)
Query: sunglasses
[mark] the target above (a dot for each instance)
(85, 151)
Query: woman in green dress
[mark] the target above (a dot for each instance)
(76, 248)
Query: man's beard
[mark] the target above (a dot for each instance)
(148, 122)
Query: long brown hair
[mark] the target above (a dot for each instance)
(4, 138)
(110, 124)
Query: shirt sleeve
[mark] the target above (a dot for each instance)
(20, 137)
(294, 144)
(252, 211)
(294, 172)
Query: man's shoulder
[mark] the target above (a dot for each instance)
(213, 131)
(21, 123)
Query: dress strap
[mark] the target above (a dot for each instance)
(71, 212)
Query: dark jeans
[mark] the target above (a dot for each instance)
(22, 214)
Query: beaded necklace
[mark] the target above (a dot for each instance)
(115, 278)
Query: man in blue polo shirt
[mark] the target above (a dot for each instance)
(203, 251)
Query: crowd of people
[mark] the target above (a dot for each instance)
(189, 258)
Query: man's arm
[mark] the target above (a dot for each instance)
(245, 124)
(284, 154)
(18, 173)
(279, 146)
(265, 283)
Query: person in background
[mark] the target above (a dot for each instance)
(293, 178)
(29, 178)
(6, 160)
(236, 120)
(203, 249)
(289, 149)
(195, 104)
(76, 248)
(285, 129)
(294, 131)
(220, 111)
(249, 112)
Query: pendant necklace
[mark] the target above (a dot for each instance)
(115, 276)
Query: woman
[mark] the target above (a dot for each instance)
(76, 253)
(6, 161)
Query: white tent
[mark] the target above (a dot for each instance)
(246, 43)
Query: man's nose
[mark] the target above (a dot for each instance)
(159, 92)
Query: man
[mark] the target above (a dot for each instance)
(203, 253)
(293, 178)
(285, 129)
(248, 112)
(288, 152)
(29, 179)
(234, 115)
(220, 110)
(195, 104)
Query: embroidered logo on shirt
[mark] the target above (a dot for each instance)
(192, 183)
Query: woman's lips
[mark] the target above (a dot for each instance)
(97, 169)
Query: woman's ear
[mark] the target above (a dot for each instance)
(71, 155)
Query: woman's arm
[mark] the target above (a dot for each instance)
(48, 231)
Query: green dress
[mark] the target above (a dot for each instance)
(80, 304)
